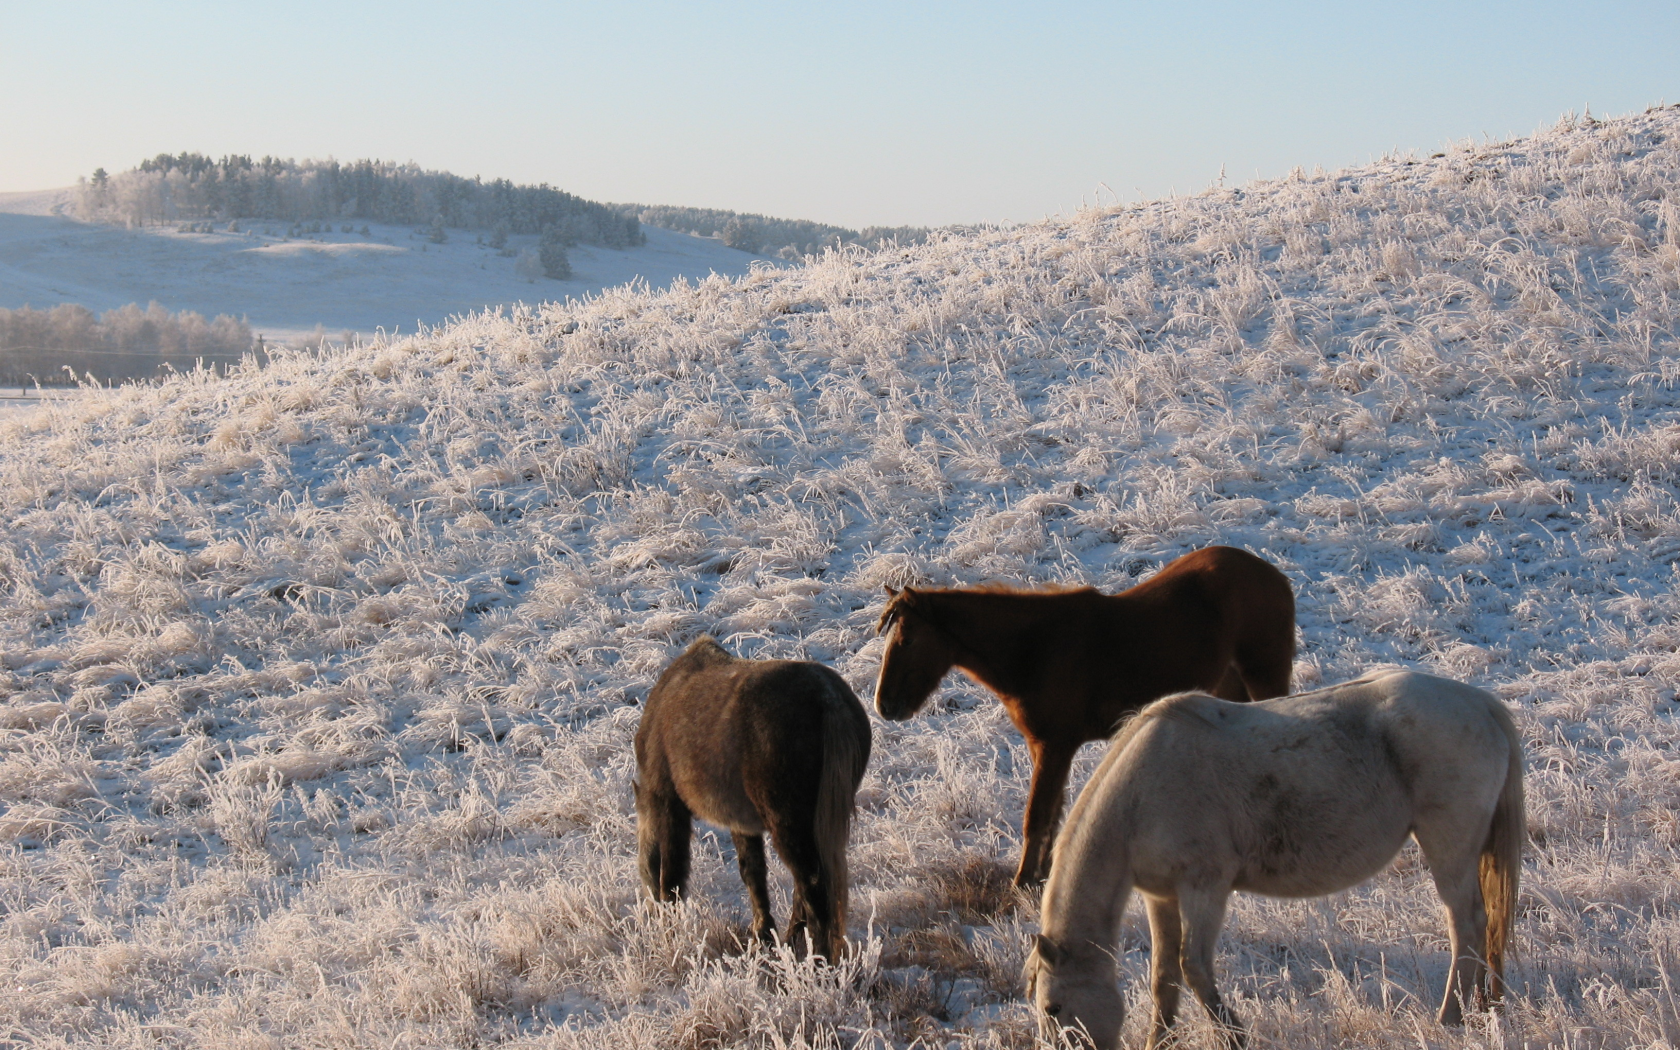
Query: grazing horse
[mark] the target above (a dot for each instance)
(753, 745)
(1296, 797)
(1069, 665)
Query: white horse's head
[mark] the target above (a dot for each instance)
(1077, 995)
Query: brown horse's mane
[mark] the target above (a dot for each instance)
(1006, 588)
(906, 599)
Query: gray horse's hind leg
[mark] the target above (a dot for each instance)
(1203, 915)
(1166, 940)
(664, 830)
(813, 895)
(1454, 858)
(749, 854)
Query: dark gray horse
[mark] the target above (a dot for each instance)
(753, 746)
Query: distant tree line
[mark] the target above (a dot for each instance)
(763, 235)
(191, 186)
(121, 344)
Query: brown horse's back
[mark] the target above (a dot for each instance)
(1219, 620)
(1219, 607)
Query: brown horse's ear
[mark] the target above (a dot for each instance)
(1049, 951)
(896, 602)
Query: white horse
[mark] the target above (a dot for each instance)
(1295, 797)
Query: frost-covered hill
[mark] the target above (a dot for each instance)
(322, 679)
(291, 285)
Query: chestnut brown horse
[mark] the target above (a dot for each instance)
(1069, 665)
(753, 745)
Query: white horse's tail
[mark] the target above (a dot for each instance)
(844, 758)
(1501, 864)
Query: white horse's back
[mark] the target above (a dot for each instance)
(1308, 794)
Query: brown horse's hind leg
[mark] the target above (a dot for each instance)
(1044, 809)
(1231, 686)
(664, 829)
(1266, 668)
(1166, 937)
(749, 854)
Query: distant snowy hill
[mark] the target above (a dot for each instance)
(320, 681)
(391, 279)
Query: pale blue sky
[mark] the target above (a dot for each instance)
(855, 113)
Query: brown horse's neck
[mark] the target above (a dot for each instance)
(985, 632)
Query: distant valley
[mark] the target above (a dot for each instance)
(326, 282)
(266, 252)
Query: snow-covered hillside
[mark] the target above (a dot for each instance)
(330, 281)
(321, 680)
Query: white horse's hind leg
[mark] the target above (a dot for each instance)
(1203, 914)
(1166, 939)
(1453, 857)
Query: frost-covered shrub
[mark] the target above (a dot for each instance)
(125, 343)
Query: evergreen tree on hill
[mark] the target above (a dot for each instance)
(187, 186)
(551, 252)
(762, 234)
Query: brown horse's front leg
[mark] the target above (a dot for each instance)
(1044, 809)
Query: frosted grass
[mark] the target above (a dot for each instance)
(320, 681)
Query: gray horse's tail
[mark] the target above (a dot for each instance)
(845, 754)
(1501, 864)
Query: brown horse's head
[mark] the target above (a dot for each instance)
(917, 656)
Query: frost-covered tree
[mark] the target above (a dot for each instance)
(789, 238)
(528, 265)
(742, 234)
(125, 343)
(191, 186)
(552, 254)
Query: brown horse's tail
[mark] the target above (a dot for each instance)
(1501, 864)
(845, 755)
